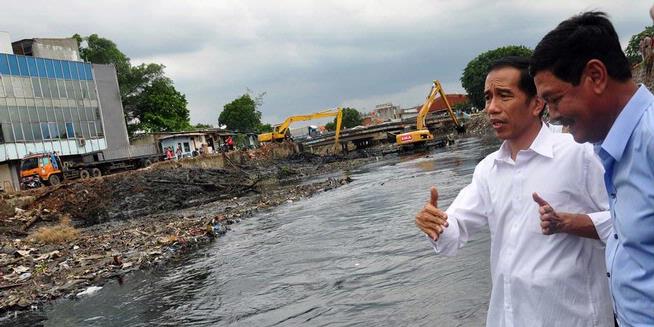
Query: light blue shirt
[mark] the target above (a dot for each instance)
(627, 154)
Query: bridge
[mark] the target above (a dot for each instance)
(362, 137)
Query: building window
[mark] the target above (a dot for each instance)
(17, 86)
(45, 87)
(85, 90)
(9, 91)
(18, 132)
(53, 88)
(36, 87)
(36, 129)
(70, 130)
(54, 130)
(28, 91)
(93, 132)
(45, 131)
(187, 147)
(7, 132)
(62, 88)
(62, 130)
(78, 129)
(27, 132)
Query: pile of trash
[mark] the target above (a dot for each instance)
(479, 125)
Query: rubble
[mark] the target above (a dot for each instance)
(479, 125)
(140, 219)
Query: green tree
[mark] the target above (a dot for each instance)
(161, 108)
(200, 126)
(633, 48)
(144, 108)
(462, 107)
(102, 51)
(474, 75)
(241, 114)
(265, 128)
(351, 117)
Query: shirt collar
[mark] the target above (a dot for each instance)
(543, 145)
(616, 140)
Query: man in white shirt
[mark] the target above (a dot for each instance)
(544, 272)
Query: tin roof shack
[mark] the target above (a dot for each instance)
(186, 141)
(217, 137)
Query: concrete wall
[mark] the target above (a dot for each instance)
(5, 43)
(8, 179)
(65, 49)
(113, 117)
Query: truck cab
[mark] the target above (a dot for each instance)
(42, 168)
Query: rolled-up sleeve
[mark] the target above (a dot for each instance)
(603, 224)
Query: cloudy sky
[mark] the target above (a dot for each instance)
(309, 55)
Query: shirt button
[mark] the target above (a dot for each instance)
(615, 236)
(608, 274)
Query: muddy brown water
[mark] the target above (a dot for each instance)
(347, 257)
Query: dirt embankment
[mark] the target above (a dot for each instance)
(79, 234)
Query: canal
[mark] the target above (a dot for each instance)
(347, 257)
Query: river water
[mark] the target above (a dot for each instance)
(348, 257)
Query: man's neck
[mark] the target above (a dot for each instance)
(623, 93)
(525, 140)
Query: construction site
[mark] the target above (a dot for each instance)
(116, 210)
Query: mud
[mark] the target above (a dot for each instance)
(139, 219)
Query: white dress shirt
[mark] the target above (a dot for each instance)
(538, 280)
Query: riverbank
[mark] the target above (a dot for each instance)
(60, 241)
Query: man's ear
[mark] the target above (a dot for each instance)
(595, 76)
(537, 104)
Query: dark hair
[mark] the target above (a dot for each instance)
(566, 50)
(526, 83)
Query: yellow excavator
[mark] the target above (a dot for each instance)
(281, 131)
(422, 135)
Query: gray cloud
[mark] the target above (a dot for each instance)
(309, 55)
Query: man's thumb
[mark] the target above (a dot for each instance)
(539, 200)
(434, 197)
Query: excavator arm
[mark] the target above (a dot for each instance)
(437, 84)
(422, 134)
(279, 131)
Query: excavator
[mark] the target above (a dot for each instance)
(422, 135)
(281, 132)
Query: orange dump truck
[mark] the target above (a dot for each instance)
(48, 168)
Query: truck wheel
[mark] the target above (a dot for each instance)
(84, 174)
(54, 180)
(96, 172)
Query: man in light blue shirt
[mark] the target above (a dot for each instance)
(585, 79)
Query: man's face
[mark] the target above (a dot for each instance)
(571, 105)
(510, 111)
